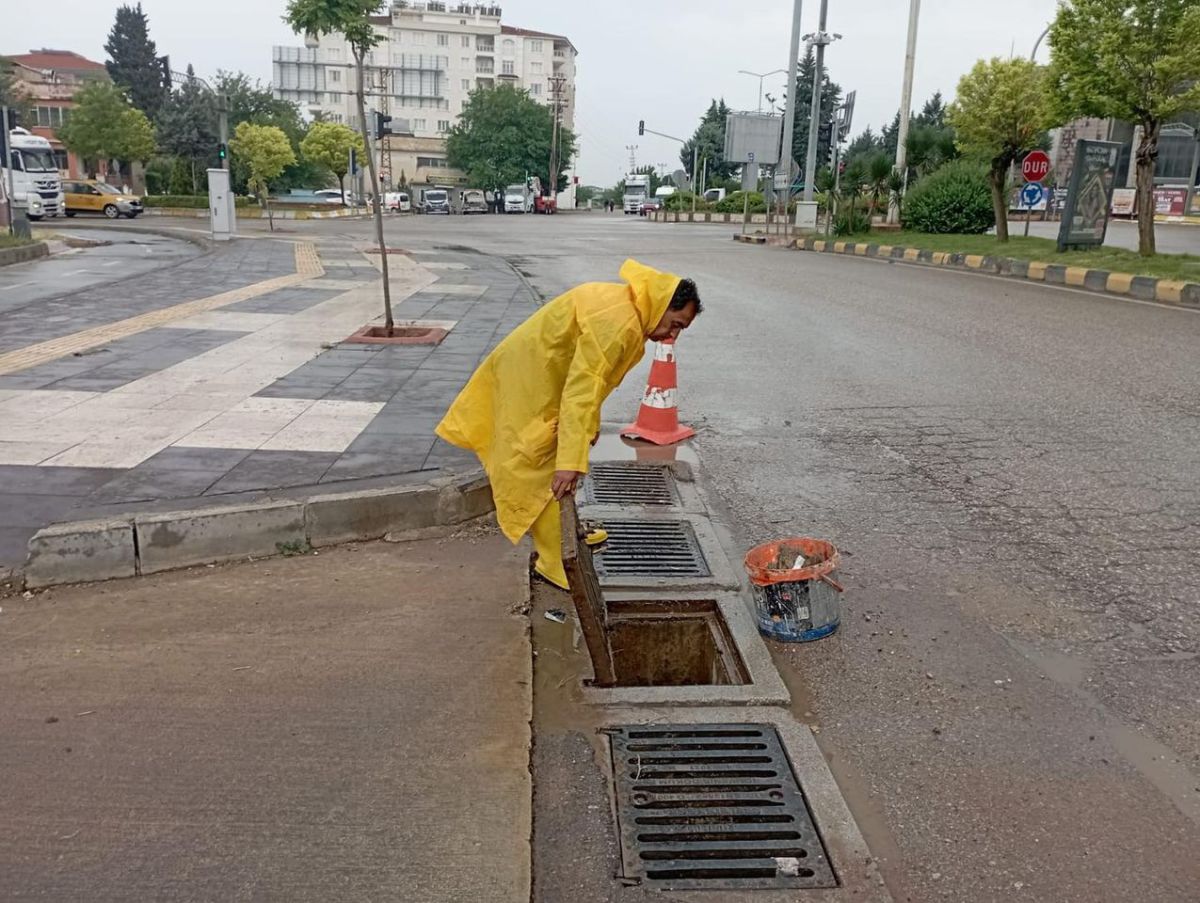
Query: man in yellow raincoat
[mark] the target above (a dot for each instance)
(532, 410)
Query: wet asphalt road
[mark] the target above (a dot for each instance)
(1013, 704)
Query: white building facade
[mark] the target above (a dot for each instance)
(433, 55)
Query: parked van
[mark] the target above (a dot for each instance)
(397, 202)
(473, 201)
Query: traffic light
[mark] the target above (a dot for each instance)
(222, 151)
(383, 125)
(641, 126)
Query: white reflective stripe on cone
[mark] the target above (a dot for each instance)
(664, 352)
(659, 398)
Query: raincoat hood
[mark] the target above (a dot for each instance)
(652, 291)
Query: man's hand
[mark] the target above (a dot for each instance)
(565, 483)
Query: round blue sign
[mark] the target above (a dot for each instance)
(1032, 193)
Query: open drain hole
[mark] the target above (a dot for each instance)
(713, 814)
(672, 644)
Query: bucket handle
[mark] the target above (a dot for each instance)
(827, 579)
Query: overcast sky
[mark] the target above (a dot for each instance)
(662, 61)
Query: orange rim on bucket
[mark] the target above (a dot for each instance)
(763, 562)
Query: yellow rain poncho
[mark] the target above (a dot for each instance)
(533, 406)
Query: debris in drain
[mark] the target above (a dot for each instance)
(557, 615)
(788, 865)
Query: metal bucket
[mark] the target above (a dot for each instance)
(795, 604)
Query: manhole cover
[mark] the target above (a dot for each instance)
(651, 548)
(713, 806)
(629, 484)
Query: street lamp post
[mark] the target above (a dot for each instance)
(760, 76)
(820, 40)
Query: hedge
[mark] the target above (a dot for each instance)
(196, 201)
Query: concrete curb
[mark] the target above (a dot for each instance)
(254, 213)
(134, 544)
(1101, 282)
(198, 239)
(23, 253)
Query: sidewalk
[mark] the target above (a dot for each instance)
(303, 729)
(227, 378)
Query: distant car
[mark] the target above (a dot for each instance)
(649, 205)
(328, 195)
(545, 204)
(398, 202)
(473, 201)
(94, 196)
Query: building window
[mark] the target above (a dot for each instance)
(466, 61)
(335, 75)
(466, 84)
(443, 40)
(419, 125)
(466, 40)
(536, 88)
(48, 117)
(418, 37)
(443, 125)
(60, 160)
(464, 103)
(507, 67)
(535, 46)
(509, 46)
(486, 44)
(334, 53)
(535, 67)
(432, 163)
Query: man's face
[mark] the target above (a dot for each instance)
(673, 323)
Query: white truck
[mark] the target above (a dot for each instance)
(637, 189)
(36, 186)
(518, 198)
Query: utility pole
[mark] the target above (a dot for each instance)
(821, 39)
(789, 113)
(556, 87)
(385, 140)
(910, 58)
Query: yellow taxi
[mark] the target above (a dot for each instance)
(94, 196)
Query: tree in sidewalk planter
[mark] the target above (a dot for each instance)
(955, 199)
(134, 63)
(1001, 112)
(879, 180)
(1133, 60)
(187, 126)
(328, 144)
(851, 218)
(103, 126)
(265, 150)
(352, 19)
(503, 135)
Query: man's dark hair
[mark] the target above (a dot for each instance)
(685, 294)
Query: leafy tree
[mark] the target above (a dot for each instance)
(1135, 60)
(933, 113)
(251, 101)
(502, 135)
(187, 125)
(956, 199)
(328, 144)
(103, 126)
(265, 150)
(1000, 113)
(831, 99)
(12, 94)
(709, 138)
(352, 19)
(134, 63)
(879, 173)
(865, 144)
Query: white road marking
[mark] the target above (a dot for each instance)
(111, 263)
(6, 288)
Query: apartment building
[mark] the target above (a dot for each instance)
(433, 56)
(51, 78)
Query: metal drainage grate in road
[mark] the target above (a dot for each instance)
(630, 484)
(713, 806)
(651, 548)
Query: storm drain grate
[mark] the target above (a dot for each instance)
(713, 806)
(651, 548)
(629, 484)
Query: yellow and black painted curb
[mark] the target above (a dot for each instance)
(1143, 288)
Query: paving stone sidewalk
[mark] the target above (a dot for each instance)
(259, 398)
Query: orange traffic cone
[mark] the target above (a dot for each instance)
(658, 417)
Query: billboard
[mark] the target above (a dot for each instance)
(1089, 196)
(753, 138)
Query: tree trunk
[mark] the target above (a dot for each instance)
(997, 178)
(193, 175)
(359, 55)
(342, 186)
(1146, 155)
